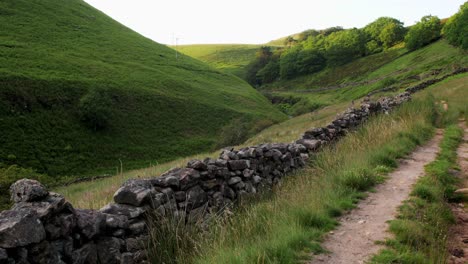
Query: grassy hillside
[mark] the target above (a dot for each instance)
(229, 58)
(381, 67)
(396, 68)
(81, 93)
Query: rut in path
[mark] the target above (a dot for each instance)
(354, 240)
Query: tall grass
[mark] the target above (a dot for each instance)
(423, 221)
(421, 227)
(288, 224)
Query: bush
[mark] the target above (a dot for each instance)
(456, 28)
(423, 33)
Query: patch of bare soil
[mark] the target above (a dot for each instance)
(458, 235)
(354, 240)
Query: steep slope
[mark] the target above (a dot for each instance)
(229, 58)
(394, 69)
(81, 93)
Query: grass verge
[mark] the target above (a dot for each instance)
(424, 219)
(289, 223)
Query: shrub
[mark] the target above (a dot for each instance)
(456, 28)
(423, 33)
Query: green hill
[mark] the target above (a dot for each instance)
(81, 93)
(229, 58)
(396, 68)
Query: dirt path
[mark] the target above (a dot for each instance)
(354, 240)
(458, 236)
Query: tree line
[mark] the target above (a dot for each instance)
(313, 50)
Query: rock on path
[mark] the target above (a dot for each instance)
(354, 240)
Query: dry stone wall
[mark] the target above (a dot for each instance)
(42, 227)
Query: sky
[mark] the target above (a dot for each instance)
(258, 21)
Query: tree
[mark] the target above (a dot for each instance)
(310, 61)
(270, 72)
(456, 28)
(315, 42)
(385, 31)
(290, 41)
(423, 33)
(298, 61)
(373, 47)
(330, 30)
(288, 63)
(306, 34)
(344, 46)
(391, 34)
(262, 57)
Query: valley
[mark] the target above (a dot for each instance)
(305, 149)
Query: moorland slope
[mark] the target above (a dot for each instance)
(80, 93)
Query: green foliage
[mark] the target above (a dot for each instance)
(306, 34)
(270, 72)
(456, 28)
(423, 33)
(344, 46)
(392, 68)
(385, 31)
(311, 61)
(373, 47)
(262, 57)
(79, 92)
(297, 61)
(391, 34)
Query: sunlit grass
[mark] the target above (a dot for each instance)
(285, 226)
(280, 228)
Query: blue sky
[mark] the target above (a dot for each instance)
(258, 21)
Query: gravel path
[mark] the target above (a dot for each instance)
(354, 240)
